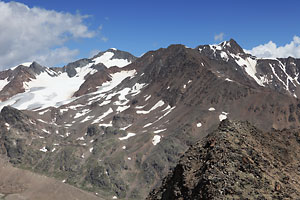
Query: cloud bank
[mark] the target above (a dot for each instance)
(271, 50)
(38, 34)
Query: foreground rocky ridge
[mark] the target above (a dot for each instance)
(237, 161)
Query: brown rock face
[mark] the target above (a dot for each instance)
(243, 163)
(15, 86)
(92, 82)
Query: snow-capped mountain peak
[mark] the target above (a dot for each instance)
(38, 87)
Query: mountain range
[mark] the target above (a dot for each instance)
(115, 125)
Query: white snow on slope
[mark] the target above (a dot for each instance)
(101, 117)
(156, 139)
(82, 113)
(147, 97)
(129, 135)
(228, 79)
(122, 108)
(249, 65)
(107, 60)
(211, 109)
(46, 90)
(224, 56)
(158, 131)
(43, 149)
(158, 104)
(223, 116)
(199, 124)
(87, 119)
(3, 83)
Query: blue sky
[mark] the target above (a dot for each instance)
(140, 26)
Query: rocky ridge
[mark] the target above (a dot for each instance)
(237, 161)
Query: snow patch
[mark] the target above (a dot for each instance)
(43, 149)
(211, 109)
(106, 125)
(223, 116)
(129, 135)
(107, 60)
(156, 139)
(82, 113)
(249, 65)
(122, 108)
(105, 114)
(224, 56)
(105, 103)
(199, 124)
(46, 131)
(3, 83)
(80, 138)
(87, 119)
(158, 131)
(149, 124)
(147, 97)
(126, 127)
(157, 105)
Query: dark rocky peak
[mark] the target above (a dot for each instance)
(233, 47)
(70, 68)
(33, 69)
(228, 47)
(176, 59)
(37, 68)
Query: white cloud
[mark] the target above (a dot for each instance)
(38, 34)
(271, 50)
(219, 37)
(56, 56)
(104, 39)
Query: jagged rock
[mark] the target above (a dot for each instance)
(243, 163)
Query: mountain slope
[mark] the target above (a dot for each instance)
(18, 184)
(237, 161)
(125, 127)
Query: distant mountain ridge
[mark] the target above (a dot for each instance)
(23, 79)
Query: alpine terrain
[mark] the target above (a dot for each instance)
(113, 126)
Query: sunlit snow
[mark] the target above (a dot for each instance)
(107, 60)
(129, 135)
(156, 139)
(223, 116)
(158, 104)
(211, 109)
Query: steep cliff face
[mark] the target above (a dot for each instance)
(237, 161)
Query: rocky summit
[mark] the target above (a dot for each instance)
(115, 125)
(237, 161)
